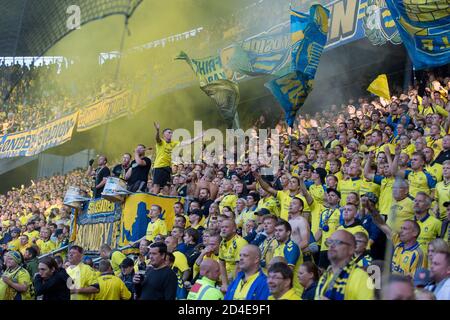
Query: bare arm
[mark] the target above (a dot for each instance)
(264, 184)
(188, 142)
(394, 167)
(157, 137)
(377, 219)
(128, 174)
(305, 192)
(223, 275)
(367, 174)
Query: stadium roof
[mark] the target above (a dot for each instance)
(31, 27)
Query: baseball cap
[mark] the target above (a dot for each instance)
(263, 212)
(422, 277)
(126, 263)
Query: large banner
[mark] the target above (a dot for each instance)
(97, 223)
(309, 35)
(135, 217)
(32, 142)
(425, 30)
(214, 82)
(106, 110)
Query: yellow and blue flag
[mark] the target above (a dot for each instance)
(308, 36)
(424, 27)
(213, 81)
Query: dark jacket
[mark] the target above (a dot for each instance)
(54, 288)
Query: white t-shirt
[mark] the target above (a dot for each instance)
(442, 290)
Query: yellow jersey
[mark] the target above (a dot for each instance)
(32, 235)
(14, 245)
(347, 186)
(229, 252)
(288, 295)
(164, 153)
(228, 201)
(111, 288)
(436, 170)
(116, 259)
(420, 181)
(293, 255)
(154, 228)
(45, 246)
(435, 144)
(406, 261)
(284, 198)
(430, 229)
(330, 221)
(442, 195)
(21, 276)
(369, 186)
(269, 203)
(354, 228)
(83, 276)
(317, 192)
(386, 199)
(404, 210)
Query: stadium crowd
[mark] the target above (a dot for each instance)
(361, 187)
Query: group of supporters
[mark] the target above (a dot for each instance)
(358, 209)
(31, 95)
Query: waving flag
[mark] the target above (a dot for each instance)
(213, 81)
(380, 87)
(308, 35)
(424, 27)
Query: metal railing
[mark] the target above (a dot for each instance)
(54, 252)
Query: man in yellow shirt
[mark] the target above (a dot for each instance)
(229, 198)
(163, 161)
(83, 276)
(289, 250)
(31, 232)
(353, 184)
(14, 243)
(350, 223)
(402, 208)
(284, 197)
(430, 227)
(110, 286)
(115, 256)
(407, 256)
(156, 226)
(442, 194)
(343, 280)
(280, 282)
(229, 251)
(44, 243)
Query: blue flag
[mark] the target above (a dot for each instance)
(424, 27)
(309, 36)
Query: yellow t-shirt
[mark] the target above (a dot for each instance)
(45, 246)
(442, 195)
(158, 227)
(420, 181)
(228, 201)
(32, 235)
(294, 257)
(347, 186)
(20, 276)
(164, 153)
(284, 198)
(289, 295)
(180, 263)
(430, 229)
(404, 210)
(269, 203)
(111, 288)
(318, 193)
(14, 245)
(116, 259)
(230, 253)
(386, 198)
(83, 276)
(436, 170)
